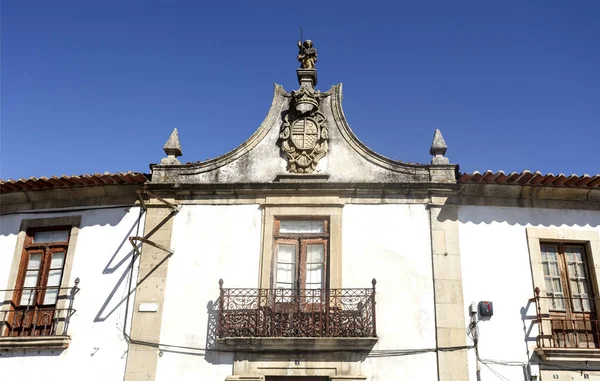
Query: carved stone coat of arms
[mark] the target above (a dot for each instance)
(304, 135)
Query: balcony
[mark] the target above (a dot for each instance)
(290, 319)
(36, 317)
(569, 329)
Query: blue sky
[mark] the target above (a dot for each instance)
(95, 86)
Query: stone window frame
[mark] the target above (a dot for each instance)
(272, 213)
(42, 342)
(591, 241)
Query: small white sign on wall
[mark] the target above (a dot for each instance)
(148, 307)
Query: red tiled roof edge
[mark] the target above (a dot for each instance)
(34, 183)
(528, 178)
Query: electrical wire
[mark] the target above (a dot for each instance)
(505, 363)
(495, 372)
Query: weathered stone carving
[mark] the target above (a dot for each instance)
(438, 148)
(173, 149)
(304, 135)
(307, 54)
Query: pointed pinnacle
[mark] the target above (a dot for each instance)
(172, 146)
(438, 145)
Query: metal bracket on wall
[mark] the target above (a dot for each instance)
(146, 239)
(146, 192)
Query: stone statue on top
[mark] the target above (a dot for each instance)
(307, 54)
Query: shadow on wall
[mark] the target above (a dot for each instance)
(212, 310)
(11, 223)
(114, 263)
(210, 351)
(524, 216)
(126, 264)
(529, 319)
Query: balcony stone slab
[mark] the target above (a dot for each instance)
(293, 344)
(568, 354)
(34, 342)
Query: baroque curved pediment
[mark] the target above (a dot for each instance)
(262, 158)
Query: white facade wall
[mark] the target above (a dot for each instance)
(496, 267)
(391, 243)
(101, 260)
(387, 242)
(209, 243)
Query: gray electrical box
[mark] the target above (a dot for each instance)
(486, 309)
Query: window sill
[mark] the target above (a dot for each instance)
(35, 342)
(568, 354)
(287, 344)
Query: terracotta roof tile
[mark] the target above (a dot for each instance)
(33, 183)
(528, 178)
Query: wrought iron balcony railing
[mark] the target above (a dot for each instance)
(32, 311)
(248, 312)
(567, 322)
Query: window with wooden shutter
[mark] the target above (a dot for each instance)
(569, 292)
(38, 283)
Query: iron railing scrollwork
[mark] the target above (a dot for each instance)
(28, 317)
(567, 322)
(250, 312)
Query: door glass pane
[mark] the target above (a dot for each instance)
(549, 252)
(285, 273)
(286, 266)
(558, 302)
(54, 278)
(34, 261)
(51, 296)
(30, 279)
(286, 286)
(580, 270)
(315, 258)
(51, 236)
(286, 253)
(29, 291)
(58, 258)
(314, 253)
(53, 281)
(576, 252)
(28, 297)
(556, 286)
(301, 226)
(314, 275)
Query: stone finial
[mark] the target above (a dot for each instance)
(173, 149)
(438, 149)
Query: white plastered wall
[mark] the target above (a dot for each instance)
(496, 267)
(102, 256)
(387, 242)
(392, 244)
(209, 243)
